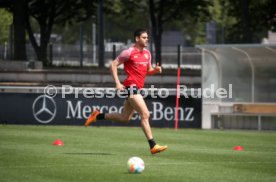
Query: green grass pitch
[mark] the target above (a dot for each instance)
(101, 153)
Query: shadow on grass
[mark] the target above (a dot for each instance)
(90, 153)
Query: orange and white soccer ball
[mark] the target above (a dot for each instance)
(135, 165)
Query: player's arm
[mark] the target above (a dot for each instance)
(152, 71)
(114, 72)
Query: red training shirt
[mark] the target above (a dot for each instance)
(136, 65)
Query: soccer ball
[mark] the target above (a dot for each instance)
(135, 165)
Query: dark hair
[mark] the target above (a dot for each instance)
(140, 31)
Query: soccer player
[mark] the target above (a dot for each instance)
(137, 64)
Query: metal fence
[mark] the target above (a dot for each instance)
(70, 55)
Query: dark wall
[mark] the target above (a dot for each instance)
(26, 108)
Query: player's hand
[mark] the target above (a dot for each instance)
(158, 68)
(120, 87)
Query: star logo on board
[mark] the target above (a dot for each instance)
(44, 109)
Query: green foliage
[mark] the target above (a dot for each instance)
(5, 22)
(71, 11)
(48, 13)
(125, 16)
(220, 14)
(242, 21)
(251, 20)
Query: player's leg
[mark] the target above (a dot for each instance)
(138, 104)
(120, 117)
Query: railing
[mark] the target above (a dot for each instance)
(64, 54)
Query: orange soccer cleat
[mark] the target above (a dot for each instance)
(92, 118)
(158, 148)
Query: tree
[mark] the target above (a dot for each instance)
(219, 13)
(161, 12)
(124, 15)
(49, 12)
(5, 22)
(18, 9)
(253, 19)
(19, 24)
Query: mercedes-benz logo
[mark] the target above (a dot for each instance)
(44, 109)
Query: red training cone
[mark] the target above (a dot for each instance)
(58, 142)
(240, 148)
